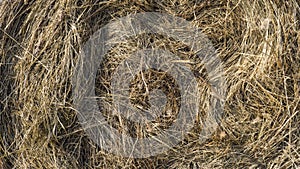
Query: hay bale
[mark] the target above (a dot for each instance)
(257, 41)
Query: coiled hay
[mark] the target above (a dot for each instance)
(257, 41)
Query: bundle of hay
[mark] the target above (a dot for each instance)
(257, 41)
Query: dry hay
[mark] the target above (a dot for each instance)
(258, 42)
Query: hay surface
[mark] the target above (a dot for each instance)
(258, 42)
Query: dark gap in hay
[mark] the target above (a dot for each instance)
(9, 49)
(72, 138)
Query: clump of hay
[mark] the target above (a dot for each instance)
(258, 42)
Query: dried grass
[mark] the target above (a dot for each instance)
(258, 42)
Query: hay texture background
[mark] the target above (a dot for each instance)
(257, 41)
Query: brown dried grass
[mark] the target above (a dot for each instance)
(258, 42)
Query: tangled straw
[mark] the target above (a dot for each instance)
(257, 41)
